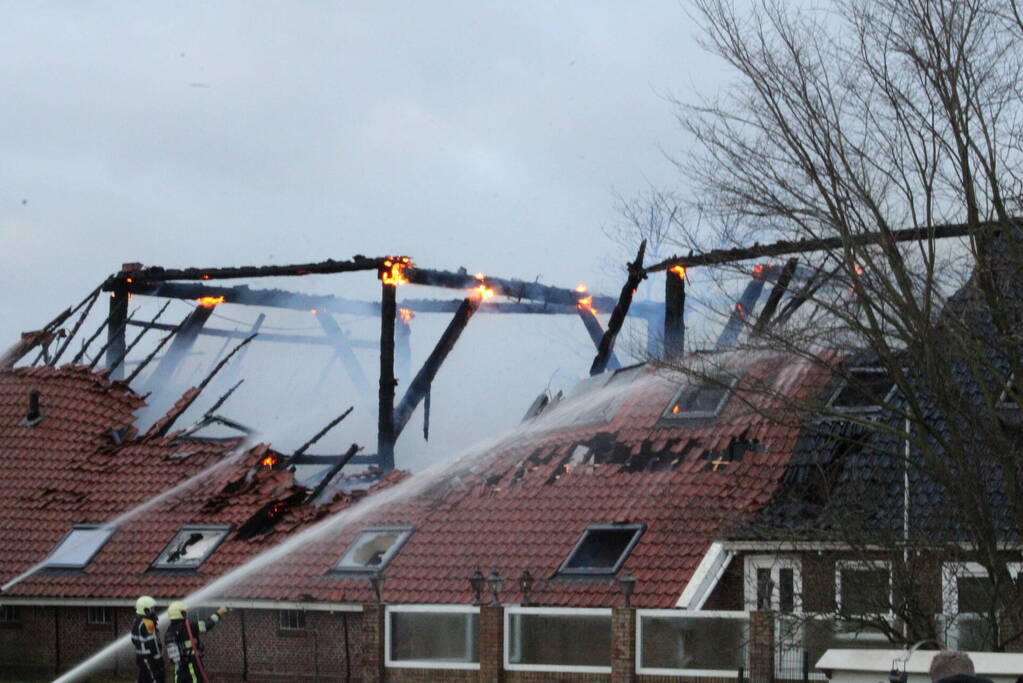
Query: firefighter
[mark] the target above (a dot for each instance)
(148, 652)
(183, 645)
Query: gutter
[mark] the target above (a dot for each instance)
(233, 604)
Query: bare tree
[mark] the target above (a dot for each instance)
(855, 121)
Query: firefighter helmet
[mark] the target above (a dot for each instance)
(177, 610)
(145, 606)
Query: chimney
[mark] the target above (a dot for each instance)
(34, 414)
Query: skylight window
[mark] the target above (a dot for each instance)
(373, 549)
(79, 546)
(865, 390)
(191, 547)
(699, 398)
(602, 549)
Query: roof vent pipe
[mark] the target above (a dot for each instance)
(34, 414)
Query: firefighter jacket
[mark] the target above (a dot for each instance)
(148, 652)
(185, 649)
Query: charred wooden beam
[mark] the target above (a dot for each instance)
(386, 433)
(88, 302)
(785, 248)
(330, 460)
(116, 324)
(145, 328)
(29, 340)
(352, 450)
(419, 386)
(614, 325)
(515, 289)
(181, 345)
(774, 298)
(741, 312)
(158, 274)
(152, 354)
(674, 312)
(343, 351)
(220, 401)
(278, 298)
(263, 336)
(297, 455)
(112, 339)
(184, 406)
(596, 332)
(88, 342)
(233, 372)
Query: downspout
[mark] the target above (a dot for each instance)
(348, 654)
(56, 640)
(905, 513)
(245, 650)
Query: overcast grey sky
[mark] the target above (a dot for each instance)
(489, 135)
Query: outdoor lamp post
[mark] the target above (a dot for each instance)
(627, 585)
(377, 582)
(476, 581)
(526, 584)
(496, 582)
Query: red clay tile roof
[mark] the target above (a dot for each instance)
(519, 509)
(523, 505)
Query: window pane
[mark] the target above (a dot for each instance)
(865, 389)
(865, 591)
(688, 643)
(975, 594)
(764, 588)
(601, 549)
(78, 547)
(190, 547)
(786, 590)
(372, 549)
(435, 636)
(560, 640)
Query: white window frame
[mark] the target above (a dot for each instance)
(551, 611)
(102, 611)
(427, 663)
(950, 571)
(225, 530)
(405, 533)
(48, 564)
(775, 563)
(698, 414)
(288, 627)
(887, 398)
(866, 565)
(709, 614)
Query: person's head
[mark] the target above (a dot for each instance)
(145, 606)
(949, 663)
(177, 610)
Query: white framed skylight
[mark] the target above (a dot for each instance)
(79, 546)
(865, 390)
(373, 549)
(602, 549)
(191, 546)
(699, 399)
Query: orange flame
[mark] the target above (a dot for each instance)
(482, 292)
(587, 303)
(204, 277)
(479, 276)
(581, 289)
(675, 409)
(406, 314)
(393, 272)
(210, 301)
(681, 270)
(313, 311)
(269, 461)
(758, 271)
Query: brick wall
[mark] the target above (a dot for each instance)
(245, 645)
(761, 647)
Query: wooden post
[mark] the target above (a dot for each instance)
(774, 298)
(674, 312)
(385, 421)
(181, 344)
(614, 325)
(596, 332)
(116, 324)
(402, 347)
(419, 386)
